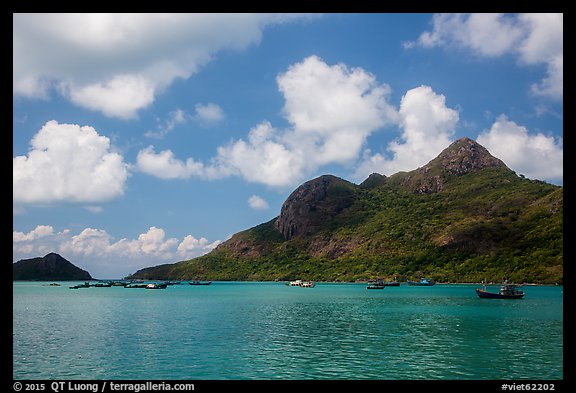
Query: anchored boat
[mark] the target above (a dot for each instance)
(507, 291)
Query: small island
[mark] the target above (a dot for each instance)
(51, 267)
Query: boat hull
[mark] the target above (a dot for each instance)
(420, 284)
(489, 295)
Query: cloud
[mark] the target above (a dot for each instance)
(544, 43)
(264, 158)
(174, 119)
(67, 162)
(209, 113)
(331, 111)
(96, 250)
(534, 38)
(166, 166)
(257, 203)
(118, 63)
(427, 128)
(204, 114)
(536, 156)
(485, 34)
(122, 96)
(192, 246)
(36, 233)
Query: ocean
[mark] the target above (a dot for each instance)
(270, 331)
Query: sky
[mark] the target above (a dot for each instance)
(144, 139)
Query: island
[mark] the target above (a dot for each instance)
(51, 267)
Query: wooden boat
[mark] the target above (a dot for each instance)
(85, 285)
(302, 284)
(135, 285)
(424, 282)
(200, 283)
(507, 291)
(378, 284)
(156, 286)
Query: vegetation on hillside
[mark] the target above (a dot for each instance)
(487, 224)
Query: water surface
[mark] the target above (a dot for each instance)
(247, 330)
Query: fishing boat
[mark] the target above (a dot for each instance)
(135, 285)
(507, 291)
(200, 283)
(393, 283)
(302, 284)
(85, 285)
(424, 282)
(156, 286)
(378, 284)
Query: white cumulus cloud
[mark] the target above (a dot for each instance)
(209, 113)
(122, 96)
(536, 38)
(257, 203)
(536, 156)
(68, 162)
(118, 63)
(192, 246)
(98, 252)
(331, 109)
(427, 128)
(36, 233)
(166, 166)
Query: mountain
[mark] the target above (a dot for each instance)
(51, 267)
(462, 217)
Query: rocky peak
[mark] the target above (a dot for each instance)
(461, 157)
(311, 204)
(373, 181)
(466, 155)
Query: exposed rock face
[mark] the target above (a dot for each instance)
(464, 156)
(311, 204)
(482, 215)
(48, 268)
(461, 157)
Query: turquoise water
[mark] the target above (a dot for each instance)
(246, 330)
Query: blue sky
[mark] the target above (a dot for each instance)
(147, 139)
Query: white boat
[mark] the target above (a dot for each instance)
(300, 283)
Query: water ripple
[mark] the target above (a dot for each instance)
(271, 331)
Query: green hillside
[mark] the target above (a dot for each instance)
(51, 267)
(463, 217)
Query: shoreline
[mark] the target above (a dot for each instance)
(363, 282)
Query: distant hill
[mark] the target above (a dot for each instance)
(51, 267)
(463, 217)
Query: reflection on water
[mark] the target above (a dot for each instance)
(271, 331)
